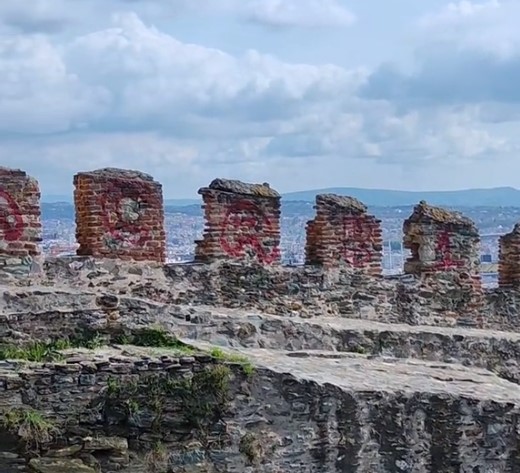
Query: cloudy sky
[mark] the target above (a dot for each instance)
(403, 94)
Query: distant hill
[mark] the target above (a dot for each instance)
(494, 197)
(53, 198)
(182, 202)
(57, 211)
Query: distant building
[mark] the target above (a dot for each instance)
(486, 258)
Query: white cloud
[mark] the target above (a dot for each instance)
(156, 80)
(469, 54)
(133, 96)
(459, 12)
(38, 94)
(490, 26)
(56, 16)
(302, 13)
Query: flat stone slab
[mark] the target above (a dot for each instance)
(361, 373)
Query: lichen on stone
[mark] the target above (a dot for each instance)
(341, 201)
(238, 187)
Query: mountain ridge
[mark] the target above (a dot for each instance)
(492, 197)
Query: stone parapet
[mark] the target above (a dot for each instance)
(119, 214)
(20, 216)
(110, 365)
(440, 241)
(445, 249)
(242, 223)
(301, 291)
(343, 233)
(509, 259)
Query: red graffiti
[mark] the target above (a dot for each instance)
(443, 250)
(357, 249)
(243, 222)
(121, 221)
(11, 220)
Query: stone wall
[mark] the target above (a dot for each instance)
(303, 291)
(342, 233)
(20, 221)
(119, 214)
(30, 315)
(242, 223)
(105, 411)
(444, 248)
(509, 259)
(110, 412)
(120, 217)
(136, 410)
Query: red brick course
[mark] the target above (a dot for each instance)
(242, 223)
(343, 233)
(509, 259)
(119, 214)
(20, 214)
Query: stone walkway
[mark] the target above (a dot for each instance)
(361, 373)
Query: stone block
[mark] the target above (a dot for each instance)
(119, 214)
(445, 249)
(440, 240)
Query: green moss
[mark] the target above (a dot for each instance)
(153, 338)
(201, 399)
(50, 351)
(221, 355)
(357, 349)
(29, 425)
(38, 352)
(113, 387)
(133, 407)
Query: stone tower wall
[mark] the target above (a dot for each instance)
(119, 214)
(20, 215)
(242, 223)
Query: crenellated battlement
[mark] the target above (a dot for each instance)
(120, 216)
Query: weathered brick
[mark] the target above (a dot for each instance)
(242, 223)
(20, 220)
(445, 245)
(118, 212)
(343, 233)
(509, 259)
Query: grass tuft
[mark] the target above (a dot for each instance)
(50, 351)
(243, 361)
(30, 425)
(156, 460)
(154, 338)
